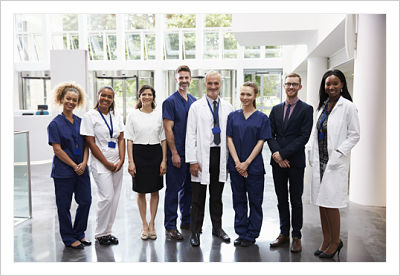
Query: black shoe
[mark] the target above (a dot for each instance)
(113, 239)
(323, 255)
(317, 252)
(246, 243)
(103, 240)
(79, 246)
(237, 242)
(185, 226)
(195, 239)
(220, 233)
(86, 243)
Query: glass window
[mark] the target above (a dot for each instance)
(111, 47)
(133, 48)
(29, 23)
(218, 20)
(211, 45)
(230, 46)
(100, 22)
(140, 21)
(96, 47)
(35, 93)
(189, 45)
(70, 22)
(29, 40)
(171, 46)
(174, 21)
(272, 51)
(252, 52)
(150, 46)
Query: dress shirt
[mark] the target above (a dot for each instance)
(211, 102)
(292, 106)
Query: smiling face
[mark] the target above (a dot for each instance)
(105, 99)
(247, 96)
(147, 97)
(292, 86)
(183, 79)
(333, 87)
(70, 101)
(213, 84)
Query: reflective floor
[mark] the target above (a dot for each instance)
(37, 240)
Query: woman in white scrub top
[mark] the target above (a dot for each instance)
(104, 131)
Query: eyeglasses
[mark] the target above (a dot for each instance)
(288, 84)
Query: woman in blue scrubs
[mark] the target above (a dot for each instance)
(246, 132)
(69, 170)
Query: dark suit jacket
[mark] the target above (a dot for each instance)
(290, 141)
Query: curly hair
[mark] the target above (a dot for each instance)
(62, 88)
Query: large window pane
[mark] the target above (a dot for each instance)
(70, 22)
(96, 50)
(211, 44)
(189, 45)
(29, 23)
(150, 46)
(100, 22)
(111, 47)
(252, 52)
(180, 21)
(34, 93)
(140, 21)
(133, 50)
(29, 47)
(230, 46)
(272, 51)
(172, 46)
(218, 20)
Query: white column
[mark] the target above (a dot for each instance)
(316, 68)
(368, 160)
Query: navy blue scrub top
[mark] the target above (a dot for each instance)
(176, 108)
(245, 135)
(61, 131)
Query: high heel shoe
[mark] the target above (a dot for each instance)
(323, 255)
(317, 252)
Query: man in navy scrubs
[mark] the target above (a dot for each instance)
(178, 186)
(291, 124)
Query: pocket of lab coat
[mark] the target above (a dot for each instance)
(336, 160)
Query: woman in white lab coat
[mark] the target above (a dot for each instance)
(336, 132)
(104, 131)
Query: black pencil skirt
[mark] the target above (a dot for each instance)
(147, 160)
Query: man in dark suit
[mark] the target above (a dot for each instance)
(291, 124)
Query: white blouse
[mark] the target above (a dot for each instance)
(145, 128)
(94, 125)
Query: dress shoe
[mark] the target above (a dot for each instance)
(195, 239)
(317, 252)
(104, 240)
(86, 243)
(237, 242)
(323, 255)
(246, 243)
(296, 245)
(152, 235)
(185, 226)
(174, 234)
(113, 240)
(144, 235)
(281, 239)
(79, 246)
(220, 233)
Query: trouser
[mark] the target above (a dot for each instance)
(247, 191)
(108, 192)
(296, 184)
(178, 192)
(199, 196)
(64, 188)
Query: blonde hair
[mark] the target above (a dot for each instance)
(62, 88)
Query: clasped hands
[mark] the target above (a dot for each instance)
(241, 168)
(114, 167)
(278, 159)
(80, 168)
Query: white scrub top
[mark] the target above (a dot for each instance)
(145, 128)
(94, 125)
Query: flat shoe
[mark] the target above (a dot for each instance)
(79, 246)
(103, 240)
(86, 243)
(113, 239)
(152, 235)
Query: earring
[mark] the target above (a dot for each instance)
(341, 90)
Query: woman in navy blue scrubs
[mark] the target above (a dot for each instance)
(69, 170)
(247, 130)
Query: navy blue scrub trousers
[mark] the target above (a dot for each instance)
(64, 188)
(247, 192)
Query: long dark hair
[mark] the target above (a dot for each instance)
(322, 94)
(111, 108)
(139, 102)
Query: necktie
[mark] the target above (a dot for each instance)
(217, 136)
(286, 116)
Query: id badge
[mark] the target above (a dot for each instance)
(216, 130)
(77, 151)
(111, 144)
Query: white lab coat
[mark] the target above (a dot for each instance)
(343, 135)
(199, 136)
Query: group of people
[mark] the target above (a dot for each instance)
(197, 143)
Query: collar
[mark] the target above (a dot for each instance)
(293, 102)
(211, 101)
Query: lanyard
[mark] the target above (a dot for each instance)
(215, 115)
(110, 129)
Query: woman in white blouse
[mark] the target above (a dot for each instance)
(104, 131)
(147, 155)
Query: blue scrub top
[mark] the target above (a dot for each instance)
(63, 132)
(245, 135)
(176, 108)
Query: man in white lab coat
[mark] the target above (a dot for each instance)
(206, 151)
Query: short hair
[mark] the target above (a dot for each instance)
(322, 93)
(183, 68)
(139, 102)
(255, 89)
(111, 108)
(62, 88)
(293, 75)
(212, 72)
